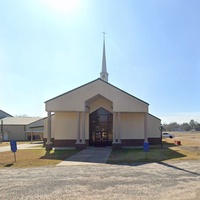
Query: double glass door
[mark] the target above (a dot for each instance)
(100, 129)
(101, 138)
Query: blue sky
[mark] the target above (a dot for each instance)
(50, 47)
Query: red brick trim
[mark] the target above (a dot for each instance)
(154, 141)
(139, 142)
(124, 142)
(132, 142)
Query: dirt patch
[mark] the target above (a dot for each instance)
(190, 144)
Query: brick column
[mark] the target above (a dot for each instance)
(48, 144)
(145, 128)
(114, 127)
(78, 128)
(83, 127)
(116, 131)
(118, 127)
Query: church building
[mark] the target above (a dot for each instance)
(99, 114)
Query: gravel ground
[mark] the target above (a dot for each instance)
(180, 180)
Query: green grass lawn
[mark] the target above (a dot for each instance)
(170, 152)
(33, 158)
(125, 156)
(189, 150)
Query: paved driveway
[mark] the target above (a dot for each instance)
(102, 181)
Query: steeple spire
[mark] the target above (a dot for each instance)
(104, 74)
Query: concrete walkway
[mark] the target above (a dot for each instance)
(21, 146)
(89, 156)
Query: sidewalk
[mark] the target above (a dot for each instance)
(19, 146)
(89, 156)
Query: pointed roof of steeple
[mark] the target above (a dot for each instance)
(104, 69)
(104, 74)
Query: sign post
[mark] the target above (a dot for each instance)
(146, 148)
(13, 146)
(161, 129)
(1, 136)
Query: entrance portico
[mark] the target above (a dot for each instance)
(104, 130)
(98, 125)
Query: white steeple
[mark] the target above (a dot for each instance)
(104, 74)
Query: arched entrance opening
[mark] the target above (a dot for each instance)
(100, 128)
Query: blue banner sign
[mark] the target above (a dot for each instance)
(13, 145)
(146, 146)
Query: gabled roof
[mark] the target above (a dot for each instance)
(37, 123)
(92, 82)
(76, 100)
(19, 120)
(4, 114)
(154, 116)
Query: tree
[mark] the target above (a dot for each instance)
(193, 124)
(172, 126)
(185, 127)
(197, 127)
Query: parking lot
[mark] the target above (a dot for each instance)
(174, 180)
